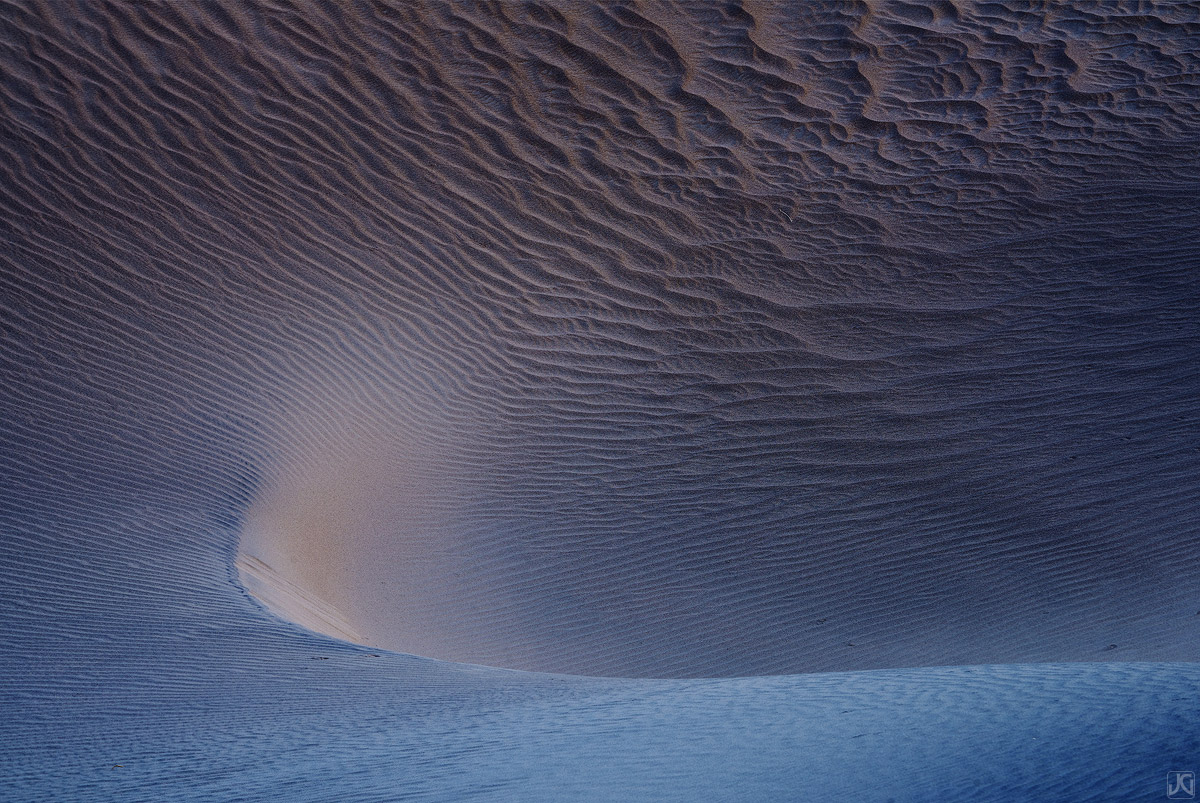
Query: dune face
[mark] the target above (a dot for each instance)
(637, 340)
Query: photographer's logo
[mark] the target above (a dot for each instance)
(1181, 785)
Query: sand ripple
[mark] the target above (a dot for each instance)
(723, 339)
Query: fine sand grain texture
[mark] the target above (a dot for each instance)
(598, 401)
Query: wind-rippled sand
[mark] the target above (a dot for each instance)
(624, 340)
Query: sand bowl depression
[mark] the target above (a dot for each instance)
(817, 360)
(841, 485)
(656, 574)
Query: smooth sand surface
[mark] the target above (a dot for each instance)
(610, 401)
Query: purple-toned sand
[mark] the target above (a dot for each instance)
(599, 401)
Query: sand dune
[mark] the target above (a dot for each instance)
(624, 341)
(300, 605)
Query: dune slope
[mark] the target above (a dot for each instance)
(639, 342)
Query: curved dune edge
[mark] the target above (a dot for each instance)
(292, 602)
(355, 544)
